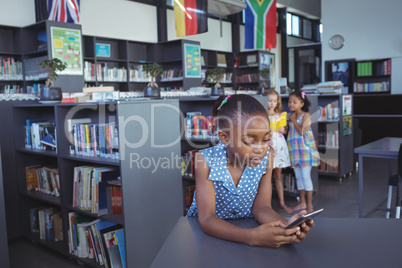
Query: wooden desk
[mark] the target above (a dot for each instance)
(384, 148)
(351, 242)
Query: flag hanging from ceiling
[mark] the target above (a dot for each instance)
(191, 17)
(260, 25)
(64, 10)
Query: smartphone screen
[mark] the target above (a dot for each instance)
(304, 218)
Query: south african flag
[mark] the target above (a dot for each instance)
(260, 26)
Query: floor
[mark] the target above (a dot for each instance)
(338, 198)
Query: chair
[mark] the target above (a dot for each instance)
(395, 181)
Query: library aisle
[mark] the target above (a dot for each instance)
(338, 198)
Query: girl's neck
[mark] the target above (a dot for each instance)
(299, 112)
(271, 112)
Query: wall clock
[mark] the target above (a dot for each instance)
(336, 41)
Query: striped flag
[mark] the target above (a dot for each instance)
(64, 10)
(260, 26)
(191, 17)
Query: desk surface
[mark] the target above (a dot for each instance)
(348, 242)
(386, 147)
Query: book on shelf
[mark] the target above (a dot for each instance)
(221, 60)
(40, 135)
(102, 226)
(96, 140)
(329, 164)
(328, 112)
(371, 87)
(47, 222)
(198, 125)
(188, 163)
(70, 130)
(114, 197)
(90, 188)
(252, 60)
(120, 240)
(110, 246)
(10, 69)
(43, 179)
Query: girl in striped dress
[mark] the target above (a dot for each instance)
(302, 148)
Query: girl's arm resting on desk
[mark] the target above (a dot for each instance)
(271, 234)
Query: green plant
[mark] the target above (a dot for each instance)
(215, 75)
(53, 65)
(153, 70)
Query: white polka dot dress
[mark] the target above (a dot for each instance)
(231, 202)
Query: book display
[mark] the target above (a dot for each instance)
(11, 71)
(65, 196)
(335, 135)
(248, 68)
(211, 59)
(373, 76)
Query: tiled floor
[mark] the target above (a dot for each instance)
(338, 198)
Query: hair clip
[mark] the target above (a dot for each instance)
(303, 95)
(223, 102)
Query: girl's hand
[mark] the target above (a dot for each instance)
(304, 227)
(292, 117)
(273, 234)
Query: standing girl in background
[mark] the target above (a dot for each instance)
(233, 178)
(302, 148)
(277, 120)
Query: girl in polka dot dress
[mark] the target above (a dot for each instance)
(233, 178)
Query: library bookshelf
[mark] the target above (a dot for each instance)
(151, 196)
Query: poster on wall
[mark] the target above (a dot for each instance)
(347, 125)
(192, 61)
(66, 46)
(347, 104)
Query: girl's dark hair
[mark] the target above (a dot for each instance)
(307, 103)
(235, 104)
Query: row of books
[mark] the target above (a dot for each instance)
(172, 74)
(43, 179)
(187, 163)
(35, 88)
(102, 241)
(93, 185)
(33, 71)
(47, 222)
(371, 87)
(247, 78)
(40, 134)
(137, 74)
(328, 112)
(329, 87)
(89, 71)
(198, 125)
(329, 164)
(10, 69)
(110, 74)
(93, 140)
(329, 139)
(11, 89)
(380, 68)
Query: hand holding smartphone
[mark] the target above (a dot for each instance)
(304, 218)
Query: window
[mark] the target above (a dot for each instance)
(307, 29)
(293, 24)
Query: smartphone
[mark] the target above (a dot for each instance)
(304, 218)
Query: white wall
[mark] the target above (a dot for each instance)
(209, 40)
(119, 19)
(17, 12)
(371, 30)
